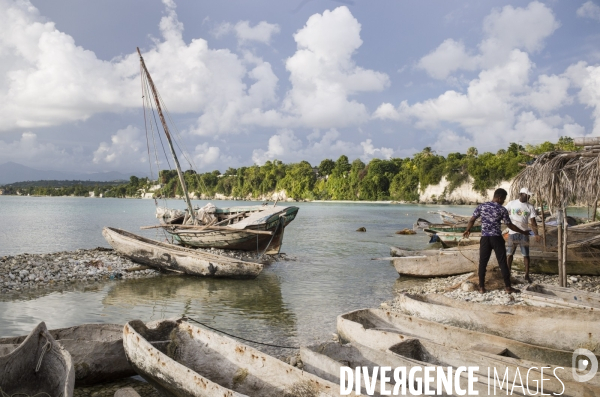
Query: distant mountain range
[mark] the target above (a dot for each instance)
(12, 172)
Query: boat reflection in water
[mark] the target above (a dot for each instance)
(252, 309)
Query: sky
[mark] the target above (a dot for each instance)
(253, 81)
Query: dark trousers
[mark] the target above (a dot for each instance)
(486, 245)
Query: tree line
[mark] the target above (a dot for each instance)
(340, 179)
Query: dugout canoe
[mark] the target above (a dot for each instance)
(37, 366)
(551, 295)
(96, 351)
(439, 263)
(169, 257)
(565, 331)
(381, 329)
(180, 359)
(327, 359)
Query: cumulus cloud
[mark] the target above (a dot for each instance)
(324, 75)
(285, 144)
(262, 32)
(587, 79)
(504, 30)
(589, 10)
(206, 156)
(28, 149)
(126, 148)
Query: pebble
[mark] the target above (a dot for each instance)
(448, 287)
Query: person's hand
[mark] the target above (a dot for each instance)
(466, 234)
(537, 238)
(524, 233)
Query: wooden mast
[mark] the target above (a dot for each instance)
(168, 135)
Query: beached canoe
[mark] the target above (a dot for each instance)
(171, 257)
(380, 329)
(38, 366)
(327, 359)
(439, 263)
(538, 326)
(181, 359)
(96, 351)
(551, 295)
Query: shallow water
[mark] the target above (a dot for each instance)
(291, 303)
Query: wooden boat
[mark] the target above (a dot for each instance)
(180, 359)
(38, 366)
(439, 263)
(551, 295)
(250, 228)
(257, 228)
(421, 223)
(96, 351)
(539, 326)
(450, 218)
(419, 346)
(452, 239)
(456, 228)
(171, 257)
(380, 329)
(327, 359)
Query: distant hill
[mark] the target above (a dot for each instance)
(12, 172)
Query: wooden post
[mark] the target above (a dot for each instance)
(543, 221)
(564, 249)
(559, 229)
(595, 210)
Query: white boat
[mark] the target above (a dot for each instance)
(551, 295)
(169, 257)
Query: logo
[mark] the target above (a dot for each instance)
(584, 360)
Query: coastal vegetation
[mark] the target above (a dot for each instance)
(332, 179)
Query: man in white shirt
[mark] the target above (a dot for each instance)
(521, 213)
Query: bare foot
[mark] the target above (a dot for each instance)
(482, 290)
(511, 290)
(528, 279)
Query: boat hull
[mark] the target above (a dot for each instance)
(96, 351)
(23, 372)
(170, 257)
(183, 360)
(440, 263)
(240, 239)
(550, 295)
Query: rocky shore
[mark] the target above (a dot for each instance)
(462, 288)
(32, 271)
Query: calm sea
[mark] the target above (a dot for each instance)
(292, 302)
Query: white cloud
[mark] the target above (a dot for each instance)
(126, 148)
(285, 144)
(30, 150)
(589, 10)
(587, 78)
(205, 156)
(504, 30)
(261, 32)
(324, 76)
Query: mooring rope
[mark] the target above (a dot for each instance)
(45, 348)
(239, 337)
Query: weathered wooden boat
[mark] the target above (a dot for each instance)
(180, 359)
(327, 359)
(439, 263)
(569, 334)
(421, 223)
(582, 262)
(171, 257)
(551, 295)
(96, 351)
(450, 218)
(451, 239)
(456, 228)
(258, 228)
(251, 228)
(38, 366)
(380, 329)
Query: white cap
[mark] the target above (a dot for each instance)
(526, 191)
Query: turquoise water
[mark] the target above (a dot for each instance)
(292, 302)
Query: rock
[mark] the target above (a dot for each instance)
(293, 361)
(573, 279)
(468, 286)
(126, 392)
(361, 229)
(406, 231)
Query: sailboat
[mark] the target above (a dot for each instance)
(247, 228)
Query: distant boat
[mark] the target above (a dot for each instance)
(457, 228)
(169, 257)
(450, 218)
(551, 295)
(96, 351)
(180, 359)
(38, 366)
(259, 228)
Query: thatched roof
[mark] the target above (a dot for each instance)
(561, 178)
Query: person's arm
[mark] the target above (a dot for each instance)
(514, 228)
(469, 226)
(534, 226)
